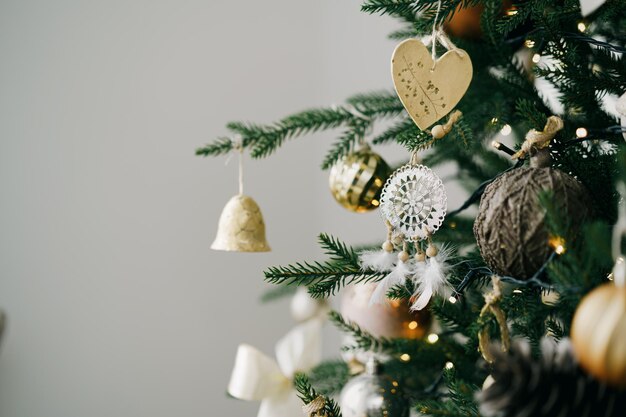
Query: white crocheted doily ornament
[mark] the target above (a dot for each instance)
(414, 201)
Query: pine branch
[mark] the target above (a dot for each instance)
(329, 377)
(403, 128)
(219, 147)
(338, 251)
(324, 278)
(344, 145)
(308, 394)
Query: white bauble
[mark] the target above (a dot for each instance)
(304, 307)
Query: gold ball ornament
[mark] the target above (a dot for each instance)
(465, 22)
(599, 334)
(391, 320)
(357, 180)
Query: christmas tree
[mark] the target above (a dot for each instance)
(479, 308)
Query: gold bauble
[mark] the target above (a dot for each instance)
(599, 334)
(357, 180)
(391, 320)
(241, 227)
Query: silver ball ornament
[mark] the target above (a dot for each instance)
(373, 394)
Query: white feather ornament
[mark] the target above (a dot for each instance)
(431, 279)
(397, 276)
(379, 261)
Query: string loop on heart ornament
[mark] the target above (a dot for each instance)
(434, 37)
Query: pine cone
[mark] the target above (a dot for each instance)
(552, 386)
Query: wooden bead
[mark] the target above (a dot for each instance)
(420, 257)
(438, 132)
(432, 251)
(388, 246)
(599, 334)
(403, 256)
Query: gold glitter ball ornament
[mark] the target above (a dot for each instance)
(241, 227)
(357, 180)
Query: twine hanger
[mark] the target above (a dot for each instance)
(536, 139)
(492, 305)
(439, 35)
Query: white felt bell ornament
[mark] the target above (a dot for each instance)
(241, 227)
(257, 377)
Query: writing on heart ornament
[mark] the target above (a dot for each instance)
(429, 89)
(258, 377)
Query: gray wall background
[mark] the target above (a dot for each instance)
(116, 305)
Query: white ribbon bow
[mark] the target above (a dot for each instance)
(258, 377)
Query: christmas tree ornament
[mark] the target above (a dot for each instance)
(465, 23)
(553, 385)
(492, 306)
(241, 227)
(589, 6)
(620, 106)
(599, 333)
(598, 328)
(414, 201)
(357, 179)
(373, 394)
(429, 88)
(257, 377)
(392, 319)
(304, 307)
(509, 228)
(413, 204)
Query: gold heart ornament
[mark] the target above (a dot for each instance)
(429, 90)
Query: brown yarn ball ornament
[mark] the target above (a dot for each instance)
(509, 228)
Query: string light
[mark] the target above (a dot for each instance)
(502, 147)
(581, 132)
(405, 357)
(449, 365)
(582, 27)
(536, 58)
(452, 300)
(432, 338)
(494, 120)
(517, 291)
(557, 243)
(506, 130)
(529, 43)
(413, 325)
